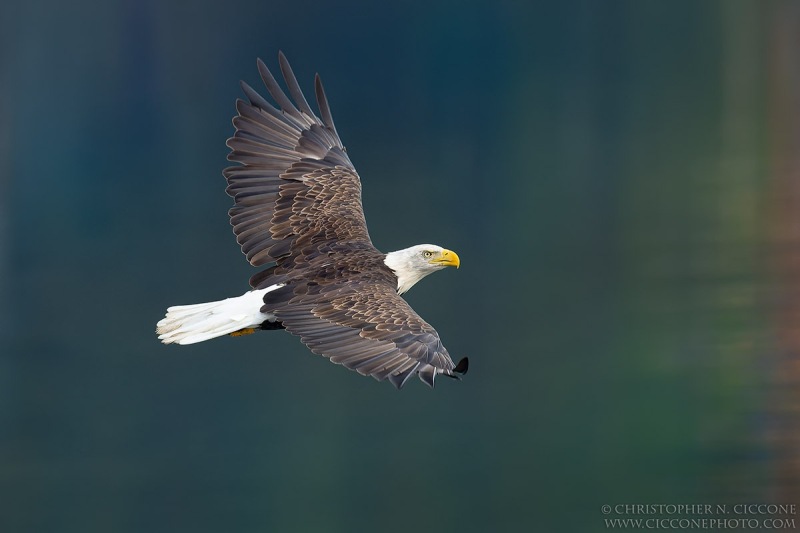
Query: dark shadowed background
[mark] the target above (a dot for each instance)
(620, 179)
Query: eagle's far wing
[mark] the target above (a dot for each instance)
(365, 326)
(295, 184)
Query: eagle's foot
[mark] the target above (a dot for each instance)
(244, 331)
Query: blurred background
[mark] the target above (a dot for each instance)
(620, 178)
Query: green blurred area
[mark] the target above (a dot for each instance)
(618, 178)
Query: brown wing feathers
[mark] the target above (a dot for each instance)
(276, 149)
(363, 325)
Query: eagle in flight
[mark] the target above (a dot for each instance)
(298, 211)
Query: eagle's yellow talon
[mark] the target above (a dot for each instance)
(244, 331)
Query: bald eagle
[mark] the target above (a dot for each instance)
(298, 211)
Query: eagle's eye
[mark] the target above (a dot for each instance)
(427, 254)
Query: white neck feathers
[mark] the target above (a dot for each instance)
(406, 267)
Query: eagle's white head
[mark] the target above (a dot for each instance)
(412, 264)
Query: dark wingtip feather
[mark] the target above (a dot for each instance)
(322, 102)
(261, 65)
(255, 99)
(293, 85)
(459, 370)
(275, 90)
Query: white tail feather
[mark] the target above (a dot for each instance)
(187, 324)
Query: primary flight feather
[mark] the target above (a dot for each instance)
(297, 207)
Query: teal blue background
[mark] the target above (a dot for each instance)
(617, 177)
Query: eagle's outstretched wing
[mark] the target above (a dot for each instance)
(366, 326)
(295, 186)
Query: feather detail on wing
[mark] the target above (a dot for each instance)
(295, 185)
(365, 326)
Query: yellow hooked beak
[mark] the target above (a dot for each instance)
(447, 258)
